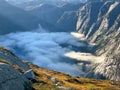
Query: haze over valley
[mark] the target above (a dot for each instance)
(47, 49)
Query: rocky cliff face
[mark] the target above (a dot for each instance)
(100, 23)
(11, 72)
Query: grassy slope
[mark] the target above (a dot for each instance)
(51, 80)
(43, 81)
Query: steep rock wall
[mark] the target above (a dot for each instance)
(100, 23)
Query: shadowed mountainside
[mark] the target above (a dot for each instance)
(15, 19)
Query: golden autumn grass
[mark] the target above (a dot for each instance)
(75, 83)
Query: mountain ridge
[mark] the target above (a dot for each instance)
(15, 19)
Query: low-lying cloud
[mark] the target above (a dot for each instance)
(45, 49)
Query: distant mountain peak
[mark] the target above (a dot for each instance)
(46, 1)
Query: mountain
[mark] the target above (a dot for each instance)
(45, 11)
(15, 19)
(23, 75)
(100, 23)
(54, 2)
(64, 17)
(36, 3)
(101, 0)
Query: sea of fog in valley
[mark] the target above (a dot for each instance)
(52, 50)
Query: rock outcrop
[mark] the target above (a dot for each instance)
(12, 71)
(11, 79)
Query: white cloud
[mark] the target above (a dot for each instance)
(45, 49)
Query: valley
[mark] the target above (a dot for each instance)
(60, 44)
(97, 32)
(51, 50)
